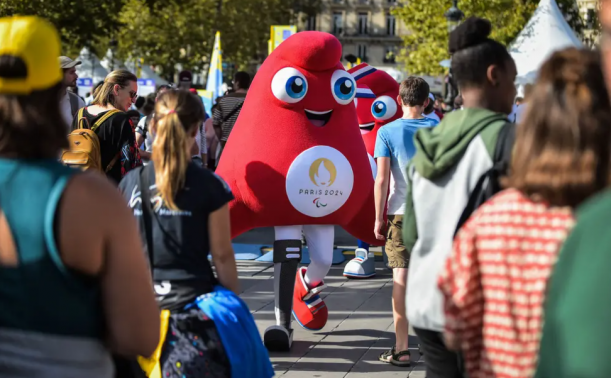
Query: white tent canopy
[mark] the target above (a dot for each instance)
(546, 32)
(111, 63)
(90, 67)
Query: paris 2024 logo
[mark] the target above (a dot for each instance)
(319, 181)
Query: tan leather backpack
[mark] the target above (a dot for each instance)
(84, 146)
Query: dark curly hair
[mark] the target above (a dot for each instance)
(473, 52)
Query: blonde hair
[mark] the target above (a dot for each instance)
(104, 95)
(177, 113)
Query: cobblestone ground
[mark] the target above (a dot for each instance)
(360, 326)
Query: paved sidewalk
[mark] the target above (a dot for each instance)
(360, 326)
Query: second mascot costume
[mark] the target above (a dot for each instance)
(296, 161)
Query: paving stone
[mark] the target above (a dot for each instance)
(360, 326)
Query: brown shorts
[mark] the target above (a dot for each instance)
(398, 256)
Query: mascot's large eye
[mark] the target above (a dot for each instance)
(343, 87)
(383, 108)
(289, 85)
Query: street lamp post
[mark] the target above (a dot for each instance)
(113, 45)
(453, 16)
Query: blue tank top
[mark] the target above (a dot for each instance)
(41, 294)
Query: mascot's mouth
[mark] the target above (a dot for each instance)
(318, 119)
(367, 127)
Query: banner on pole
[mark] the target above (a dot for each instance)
(146, 86)
(279, 33)
(84, 85)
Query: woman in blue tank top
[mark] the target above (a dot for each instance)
(74, 283)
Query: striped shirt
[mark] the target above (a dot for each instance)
(226, 113)
(494, 283)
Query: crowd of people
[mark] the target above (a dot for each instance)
(494, 230)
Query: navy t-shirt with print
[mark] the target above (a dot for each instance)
(182, 270)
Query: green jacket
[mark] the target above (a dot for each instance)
(440, 148)
(577, 333)
(450, 158)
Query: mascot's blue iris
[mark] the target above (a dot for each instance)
(296, 87)
(344, 88)
(378, 109)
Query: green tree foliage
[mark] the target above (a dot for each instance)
(79, 22)
(427, 43)
(166, 33)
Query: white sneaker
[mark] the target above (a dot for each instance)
(363, 265)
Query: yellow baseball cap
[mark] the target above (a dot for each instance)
(36, 42)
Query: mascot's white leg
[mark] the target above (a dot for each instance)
(287, 255)
(309, 309)
(320, 240)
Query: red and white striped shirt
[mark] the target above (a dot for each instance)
(494, 283)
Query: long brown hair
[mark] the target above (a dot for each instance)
(31, 126)
(177, 113)
(562, 148)
(103, 95)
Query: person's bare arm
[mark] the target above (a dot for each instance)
(145, 155)
(380, 193)
(140, 143)
(139, 140)
(108, 245)
(223, 257)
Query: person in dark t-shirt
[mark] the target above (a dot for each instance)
(117, 133)
(187, 218)
(190, 206)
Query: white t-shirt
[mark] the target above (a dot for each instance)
(66, 110)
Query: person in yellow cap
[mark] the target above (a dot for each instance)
(74, 283)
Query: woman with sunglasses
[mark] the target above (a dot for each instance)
(114, 128)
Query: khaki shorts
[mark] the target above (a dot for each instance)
(398, 256)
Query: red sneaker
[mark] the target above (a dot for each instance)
(309, 309)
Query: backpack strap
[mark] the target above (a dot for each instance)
(81, 119)
(112, 163)
(102, 119)
(232, 112)
(147, 215)
(488, 183)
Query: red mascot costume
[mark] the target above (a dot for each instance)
(376, 106)
(292, 162)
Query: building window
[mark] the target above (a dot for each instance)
(390, 24)
(389, 54)
(590, 18)
(363, 22)
(338, 23)
(361, 52)
(311, 23)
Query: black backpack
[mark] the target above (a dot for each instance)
(488, 185)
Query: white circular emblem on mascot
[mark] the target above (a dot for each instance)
(374, 166)
(319, 181)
